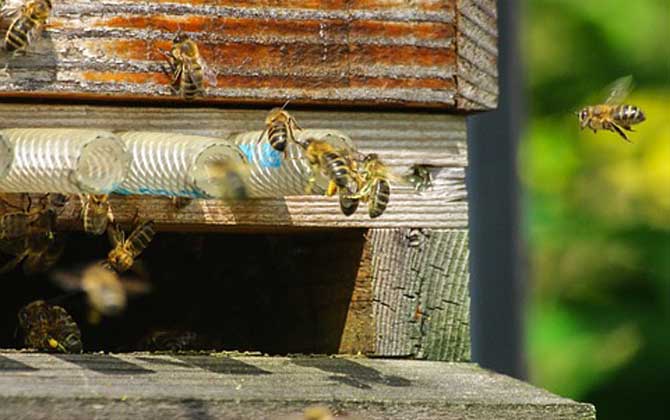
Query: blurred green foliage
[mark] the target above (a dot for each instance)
(597, 209)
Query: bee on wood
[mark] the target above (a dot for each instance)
(180, 203)
(125, 251)
(228, 177)
(106, 292)
(419, 177)
(49, 328)
(171, 340)
(27, 24)
(375, 187)
(96, 213)
(280, 127)
(188, 72)
(39, 249)
(613, 115)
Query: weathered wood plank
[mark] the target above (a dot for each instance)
(477, 55)
(401, 140)
(321, 51)
(40, 386)
(420, 292)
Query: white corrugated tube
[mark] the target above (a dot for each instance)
(174, 164)
(63, 160)
(272, 174)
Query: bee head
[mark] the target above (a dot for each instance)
(583, 117)
(38, 10)
(121, 261)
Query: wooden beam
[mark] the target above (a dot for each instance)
(401, 140)
(420, 293)
(365, 52)
(234, 386)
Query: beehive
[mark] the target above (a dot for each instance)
(397, 76)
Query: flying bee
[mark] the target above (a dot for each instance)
(613, 115)
(106, 292)
(188, 72)
(280, 127)
(96, 213)
(228, 178)
(27, 25)
(125, 251)
(49, 328)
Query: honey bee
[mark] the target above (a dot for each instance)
(228, 177)
(106, 292)
(39, 249)
(280, 128)
(333, 163)
(613, 115)
(49, 328)
(419, 176)
(124, 252)
(180, 202)
(375, 188)
(27, 25)
(96, 213)
(171, 340)
(188, 72)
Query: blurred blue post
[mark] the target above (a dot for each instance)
(497, 286)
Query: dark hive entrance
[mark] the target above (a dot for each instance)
(272, 293)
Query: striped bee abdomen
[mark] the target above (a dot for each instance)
(337, 169)
(278, 135)
(379, 198)
(627, 115)
(18, 34)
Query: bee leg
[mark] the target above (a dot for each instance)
(619, 131)
(628, 128)
(310, 185)
(332, 188)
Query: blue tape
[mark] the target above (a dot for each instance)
(266, 158)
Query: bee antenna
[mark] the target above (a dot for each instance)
(285, 104)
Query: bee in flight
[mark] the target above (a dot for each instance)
(106, 292)
(96, 213)
(280, 127)
(125, 251)
(27, 24)
(188, 72)
(613, 115)
(229, 178)
(49, 328)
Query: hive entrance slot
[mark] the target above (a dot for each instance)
(280, 293)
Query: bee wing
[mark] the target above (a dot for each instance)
(10, 8)
(140, 237)
(66, 280)
(619, 90)
(209, 74)
(134, 286)
(115, 234)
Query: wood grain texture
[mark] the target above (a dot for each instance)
(364, 52)
(401, 140)
(421, 298)
(477, 55)
(234, 386)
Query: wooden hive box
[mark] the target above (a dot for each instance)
(397, 76)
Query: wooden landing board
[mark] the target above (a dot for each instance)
(222, 386)
(401, 140)
(366, 52)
